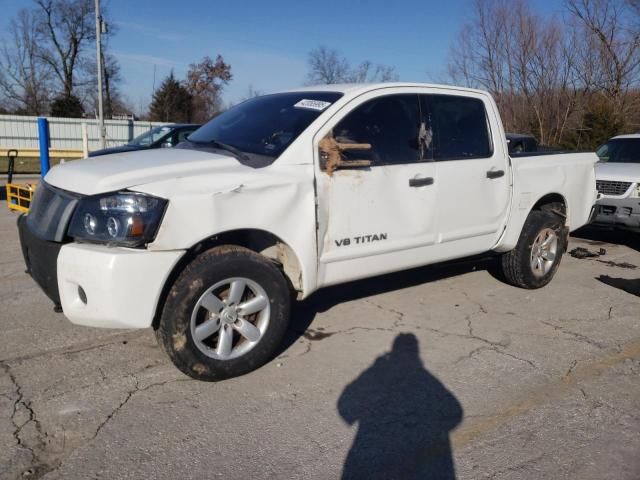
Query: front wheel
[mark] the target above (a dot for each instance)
(225, 315)
(536, 258)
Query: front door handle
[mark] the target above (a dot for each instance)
(420, 182)
(495, 173)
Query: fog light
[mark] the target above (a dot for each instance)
(82, 295)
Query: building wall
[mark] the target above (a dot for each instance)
(66, 133)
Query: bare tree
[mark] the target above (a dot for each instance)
(327, 66)
(484, 55)
(24, 78)
(613, 28)
(205, 81)
(251, 93)
(524, 61)
(51, 60)
(368, 72)
(65, 29)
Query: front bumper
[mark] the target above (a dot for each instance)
(96, 285)
(618, 212)
(112, 287)
(40, 257)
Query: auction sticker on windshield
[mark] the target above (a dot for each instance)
(317, 105)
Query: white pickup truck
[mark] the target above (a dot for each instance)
(287, 193)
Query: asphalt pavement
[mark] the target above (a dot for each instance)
(438, 372)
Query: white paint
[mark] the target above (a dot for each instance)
(570, 175)
(462, 213)
(619, 172)
(122, 285)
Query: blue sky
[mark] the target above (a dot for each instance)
(267, 42)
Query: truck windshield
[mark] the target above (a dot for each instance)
(263, 126)
(620, 150)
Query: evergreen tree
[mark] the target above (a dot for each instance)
(67, 106)
(601, 122)
(171, 102)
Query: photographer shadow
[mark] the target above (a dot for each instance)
(404, 416)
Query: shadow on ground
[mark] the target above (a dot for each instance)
(304, 312)
(404, 415)
(630, 286)
(598, 237)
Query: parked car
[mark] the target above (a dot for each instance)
(519, 143)
(159, 137)
(618, 183)
(287, 193)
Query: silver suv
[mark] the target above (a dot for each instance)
(618, 183)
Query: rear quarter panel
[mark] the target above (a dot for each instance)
(570, 175)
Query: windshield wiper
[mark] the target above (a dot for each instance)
(239, 154)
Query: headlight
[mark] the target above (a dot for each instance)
(636, 191)
(121, 218)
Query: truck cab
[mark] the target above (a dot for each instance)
(287, 193)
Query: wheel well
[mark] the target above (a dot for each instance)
(554, 203)
(260, 241)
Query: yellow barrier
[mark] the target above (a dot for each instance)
(19, 196)
(35, 153)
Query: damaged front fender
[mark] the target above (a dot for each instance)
(279, 201)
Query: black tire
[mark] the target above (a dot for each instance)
(174, 332)
(517, 264)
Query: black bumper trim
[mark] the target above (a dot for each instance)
(41, 258)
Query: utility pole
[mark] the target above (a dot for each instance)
(99, 28)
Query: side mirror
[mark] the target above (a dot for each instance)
(166, 144)
(331, 158)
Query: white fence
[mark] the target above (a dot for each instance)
(66, 133)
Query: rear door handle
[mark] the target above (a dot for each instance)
(420, 182)
(495, 173)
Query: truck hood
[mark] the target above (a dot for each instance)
(120, 149)
(619, 172)
(126, 170)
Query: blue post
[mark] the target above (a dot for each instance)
(43, 138)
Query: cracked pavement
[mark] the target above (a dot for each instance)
(540, 384)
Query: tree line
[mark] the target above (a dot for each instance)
(49, 67)
(571, 80)
(48, 64)
(197, 98)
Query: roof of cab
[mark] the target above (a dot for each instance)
(358, 88)
(630, 135)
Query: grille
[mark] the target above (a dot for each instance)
(609, 187)
(50, 212)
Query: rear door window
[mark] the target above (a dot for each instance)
(459, 127)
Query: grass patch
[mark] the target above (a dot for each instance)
(26, 164)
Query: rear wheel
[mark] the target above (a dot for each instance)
(536, 258)
(225, 315)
